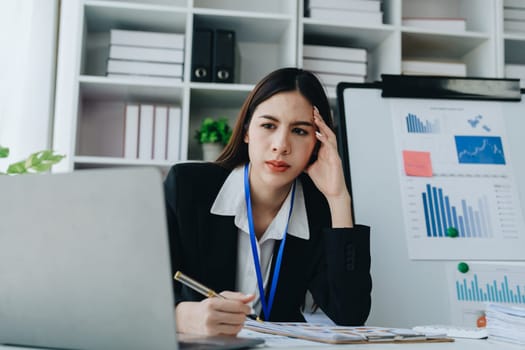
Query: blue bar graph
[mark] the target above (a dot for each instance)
(416, 125)
(440, 215)
(495, 291)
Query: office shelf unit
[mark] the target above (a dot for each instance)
(89, 107)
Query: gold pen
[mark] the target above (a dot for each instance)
(201, 288)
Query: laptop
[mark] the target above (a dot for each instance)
(85, 264)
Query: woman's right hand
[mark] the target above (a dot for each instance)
(213, 316)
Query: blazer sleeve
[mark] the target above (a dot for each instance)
(342, 283)
(183, 189)
(189, 191)
(170, 195)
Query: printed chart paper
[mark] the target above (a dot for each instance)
(483, 283)
(459, 195)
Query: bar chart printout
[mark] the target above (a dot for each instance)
(485, 282)
(497, 291)
(440, 215)
(468, 205)
(417, 125)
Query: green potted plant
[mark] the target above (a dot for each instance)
(37, 162)
(213, 134)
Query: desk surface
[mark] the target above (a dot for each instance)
(459, 344)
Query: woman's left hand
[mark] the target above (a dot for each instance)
(327, 174)
(327, 171)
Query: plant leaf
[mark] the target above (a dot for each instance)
(212, 130)
(30, 161)
(17, 168)
(45, 155)
(4, 152)
(39, 168)
(44, 160)
(37, 162)
(56, 158)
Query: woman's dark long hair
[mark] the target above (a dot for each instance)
(285, 79)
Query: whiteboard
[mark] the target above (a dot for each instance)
(405, 292)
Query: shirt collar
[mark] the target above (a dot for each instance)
(230, 202)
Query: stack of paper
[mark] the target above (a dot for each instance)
(158, 56)
(516, 71)
(351, 12)
(514, 15)
(433, 67)
(442, 24)
(152, 132)
(506, 323)
(335, 64)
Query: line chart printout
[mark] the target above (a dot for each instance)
(459, 194)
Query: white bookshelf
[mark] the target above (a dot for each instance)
(270, 34)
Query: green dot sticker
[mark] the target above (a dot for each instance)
(463, 267)
(452, 232)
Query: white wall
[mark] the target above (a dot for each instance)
(28, 30)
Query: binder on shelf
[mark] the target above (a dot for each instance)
(201, 57)
(161, 133)
(146, 132)
(131, 131)
(223, 56)
(174, 126)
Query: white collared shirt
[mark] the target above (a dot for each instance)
(231, 202)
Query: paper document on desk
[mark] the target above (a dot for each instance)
(506, 323)
(339, 334)
(277, 341)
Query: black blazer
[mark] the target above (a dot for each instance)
(334, 264)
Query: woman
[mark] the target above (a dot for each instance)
(271, 217)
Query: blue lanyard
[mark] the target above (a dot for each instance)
(266, 307)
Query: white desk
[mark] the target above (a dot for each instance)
(459, 344)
